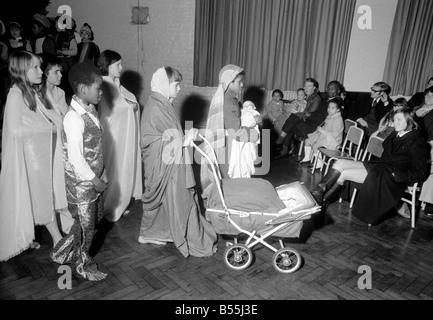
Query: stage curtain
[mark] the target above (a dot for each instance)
(409, 62)
(279, 43)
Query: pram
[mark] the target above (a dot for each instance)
(282, 221)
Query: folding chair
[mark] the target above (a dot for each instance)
(301, 146)
(347, 124)
(374, 148)
(412, 190)
(352, 144)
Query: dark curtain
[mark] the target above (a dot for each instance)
(279, 43)
(409, 62)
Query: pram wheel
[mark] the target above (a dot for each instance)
(238, 256)
(286, 260)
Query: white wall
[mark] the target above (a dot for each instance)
(368, 48)
(168, 39)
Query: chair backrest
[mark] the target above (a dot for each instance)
(349, 123)
(374, 148)
(353, 139)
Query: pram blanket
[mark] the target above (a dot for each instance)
(247, 194)
(258, 195)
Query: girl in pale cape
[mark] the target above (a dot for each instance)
(224, 124)
(119, 113)
(32, 183)
(170, 204)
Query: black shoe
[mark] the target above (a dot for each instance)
(325, 184)
(317, 194)
(333, 193)
(293, 150)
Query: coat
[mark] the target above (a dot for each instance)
(334, 127)
(406, 158)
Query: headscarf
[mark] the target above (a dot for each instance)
(215, 119)
(160, 83)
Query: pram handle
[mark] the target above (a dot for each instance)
(213, 164)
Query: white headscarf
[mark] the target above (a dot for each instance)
(215, 131)
(215, 120)
(160, 83)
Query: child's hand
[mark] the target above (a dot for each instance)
(190, 136)
(259, 120)
(362, 122)
(99, 184)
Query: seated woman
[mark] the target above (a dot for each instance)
(403, 162)
(424, 112)
(386, 124)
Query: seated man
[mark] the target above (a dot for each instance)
(418, 98)
(380, 104)
(307, 124)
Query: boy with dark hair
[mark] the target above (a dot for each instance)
(83, 161)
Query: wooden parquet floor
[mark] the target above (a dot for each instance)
(333, 246)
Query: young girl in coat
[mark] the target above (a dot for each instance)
(329, 134)
(274, 108)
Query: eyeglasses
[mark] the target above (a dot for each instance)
(376, 91)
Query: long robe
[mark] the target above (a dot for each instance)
(32, 181)
(170, 204)
(119, 114)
